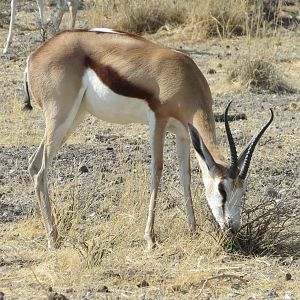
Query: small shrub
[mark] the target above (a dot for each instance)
(265, 230)
(137, 16)
(94, 250)
(264, 224)
(218, 17)
(259, 74)
(223, 18)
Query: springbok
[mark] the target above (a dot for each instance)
(123, 78)
(72, 5)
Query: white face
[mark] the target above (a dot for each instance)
(224, 198)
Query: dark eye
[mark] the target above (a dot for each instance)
(222, 192)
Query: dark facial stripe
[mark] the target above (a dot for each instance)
(117, 83)
(223, 194)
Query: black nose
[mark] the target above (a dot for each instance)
(231, 227)
(233, 230)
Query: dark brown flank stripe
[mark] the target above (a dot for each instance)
(117, 83)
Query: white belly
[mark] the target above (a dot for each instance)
(106, 105)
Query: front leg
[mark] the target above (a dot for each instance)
(13, 6)
(73, 7)
(183, 155)
(157, 136)
(62, 6)
(41, 6)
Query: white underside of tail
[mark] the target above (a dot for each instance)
(104, 30)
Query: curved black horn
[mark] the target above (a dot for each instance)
(247, 155)
(234, 160)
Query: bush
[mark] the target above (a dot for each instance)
(218, 17)
(259, 74)
(198, 18)
(263, 224)
(138, 16)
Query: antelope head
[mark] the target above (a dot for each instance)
(225, 185)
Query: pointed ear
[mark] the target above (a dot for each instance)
(201, 148)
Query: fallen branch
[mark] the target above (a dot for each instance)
(205, 281)
(220, 117)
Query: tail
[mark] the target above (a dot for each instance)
(27, 102)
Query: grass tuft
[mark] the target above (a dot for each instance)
(201, 18)
(261, 233)
(218, 18)
(260, 74)
(137, 17)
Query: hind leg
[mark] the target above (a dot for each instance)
(35, 161)
(58, 128)
(41, 5)
(61, 5)
(13, 5)
(157, 136)
(73, 7)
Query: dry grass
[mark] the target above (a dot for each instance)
(19, 125)
(260, 74)
(104, 246)
(138, 17)
(258, 67)
(196, 18)
(110, 247)
(217, 18)
(265, 223)
(107, 244)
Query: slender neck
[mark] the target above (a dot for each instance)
(205, 124)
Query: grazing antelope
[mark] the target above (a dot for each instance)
(72, 5)
(123, 78)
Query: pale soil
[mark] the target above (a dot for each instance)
(117, 159)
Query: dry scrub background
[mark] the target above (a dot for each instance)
(239, 46)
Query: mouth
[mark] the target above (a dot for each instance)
(230, 230)
(233, 230)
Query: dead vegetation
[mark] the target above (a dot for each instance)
(262, 232)
(217, 18)
(137, 17)
(259, 74)
(102, 244)
(204, 18)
